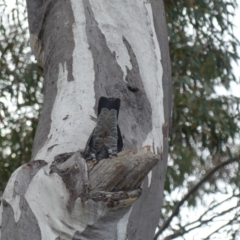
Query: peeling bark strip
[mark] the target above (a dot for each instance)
(53, 18)
(152, 197)
(26, 228)
(52, 42)
(16, 225)
(25, 176)
(114, 229)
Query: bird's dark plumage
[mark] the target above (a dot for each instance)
(106, 138)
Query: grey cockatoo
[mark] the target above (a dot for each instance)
(106, 139)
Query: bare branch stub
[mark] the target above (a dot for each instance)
(122, 173)
(114, 180)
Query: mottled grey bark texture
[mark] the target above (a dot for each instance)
(109, 82)
(12, 230)
(50, 22)
(145, 215)
(98, 230)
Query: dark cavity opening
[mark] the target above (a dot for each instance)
(133, 89)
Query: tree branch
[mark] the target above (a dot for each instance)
(192, 191)
(202, 222)
(227, 224)
(211, 208)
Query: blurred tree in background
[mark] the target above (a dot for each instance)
(20, 90)
(205, 124)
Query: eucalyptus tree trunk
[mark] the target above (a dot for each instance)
(90, 49)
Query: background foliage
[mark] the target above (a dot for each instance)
(20, 91)
(205, 124)
(202, 48)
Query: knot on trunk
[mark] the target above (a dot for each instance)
(115, 181)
